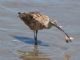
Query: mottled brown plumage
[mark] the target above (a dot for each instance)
(37, 21)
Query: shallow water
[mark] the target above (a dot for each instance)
(15, 36)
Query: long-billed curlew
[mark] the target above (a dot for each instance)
(37, 21)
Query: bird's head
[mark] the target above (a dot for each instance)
(67, 37)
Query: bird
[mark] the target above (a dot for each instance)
(38, 21)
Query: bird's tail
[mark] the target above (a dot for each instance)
(67, 37)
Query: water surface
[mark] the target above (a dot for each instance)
(52, 44)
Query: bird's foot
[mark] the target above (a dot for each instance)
(36, 43)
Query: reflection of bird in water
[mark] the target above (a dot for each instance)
(33, 55)
(37, 21)
(67, 57)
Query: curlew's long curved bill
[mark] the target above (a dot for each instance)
(67, 37)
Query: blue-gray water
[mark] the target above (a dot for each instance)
(14, 35)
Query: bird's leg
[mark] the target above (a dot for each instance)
(35, 37)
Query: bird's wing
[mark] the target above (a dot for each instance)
(42, 19)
